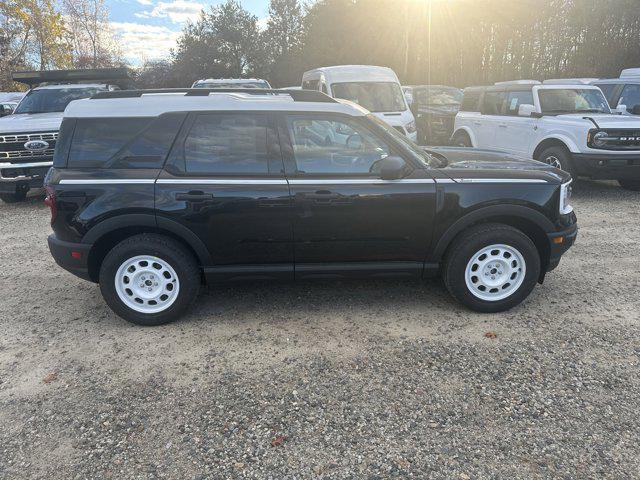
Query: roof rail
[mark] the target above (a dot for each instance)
(296, 95)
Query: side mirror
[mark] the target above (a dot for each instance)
(635, 110)
(622, 109)
(525, 110)
(4, 110)
(391, 168)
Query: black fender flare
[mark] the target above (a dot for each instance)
(153, 222)
(481, 214)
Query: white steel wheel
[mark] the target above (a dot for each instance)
(147, 284)
(495, 272)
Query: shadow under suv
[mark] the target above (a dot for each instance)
(153, 193)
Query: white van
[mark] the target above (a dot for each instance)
(375, 88)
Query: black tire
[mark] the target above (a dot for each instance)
(169, 251)
(558, 157)
(461, 139)
(16, 197)
(469, 243)
(633, 185)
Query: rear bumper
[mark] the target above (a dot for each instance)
(560, 242)
(73, 257)
(607, 166)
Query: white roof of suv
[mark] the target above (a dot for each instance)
(153, 103)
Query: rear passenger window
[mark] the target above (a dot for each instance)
(97, 140)
(227, 144)
(515, 99)
(470, 101)
(493, 103)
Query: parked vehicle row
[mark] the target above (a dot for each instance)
(152, 192)
(28, 136)
(567, 126)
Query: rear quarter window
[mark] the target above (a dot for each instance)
(64, 142)
(141, 142)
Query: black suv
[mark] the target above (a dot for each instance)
(153, 193)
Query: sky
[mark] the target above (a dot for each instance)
(148, 29)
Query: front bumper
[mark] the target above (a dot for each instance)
(607, 166)
(73, 257)
(22, 176)
(560, 242)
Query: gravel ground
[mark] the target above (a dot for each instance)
(371, 379)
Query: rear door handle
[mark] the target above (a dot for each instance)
(193, 196)
(325, 196)
(502, 125)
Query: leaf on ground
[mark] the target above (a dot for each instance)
(491, 335)
(278, 441)
(50, 378)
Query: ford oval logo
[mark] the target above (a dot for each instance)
(36, 145)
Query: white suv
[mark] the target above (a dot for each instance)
(568, 126)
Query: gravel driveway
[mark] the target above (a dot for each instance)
(370, 379)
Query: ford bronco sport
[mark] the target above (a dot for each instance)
(154, 192)
(568, 126)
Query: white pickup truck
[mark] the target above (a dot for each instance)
(28, 136)
(569, 126)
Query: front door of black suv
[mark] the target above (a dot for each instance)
(346, 217)
(224, 181)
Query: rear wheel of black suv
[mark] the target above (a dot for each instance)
(16, 197)
(149, 279)
(491, 268)
(558, 157)
(633, 185)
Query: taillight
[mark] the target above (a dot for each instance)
(50, 201)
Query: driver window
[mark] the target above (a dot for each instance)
(330, 146)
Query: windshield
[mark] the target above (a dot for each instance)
(572, 100)
(440, 96)
(374, 96)
(53, 100)
(232, 85)
(417, 152)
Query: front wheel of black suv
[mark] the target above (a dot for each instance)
(149, 279)
(16, 197)
(633, 185)
(491, 267)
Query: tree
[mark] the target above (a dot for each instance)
(33, 35)
(225, 41)
(89, 33)
(283, 42)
